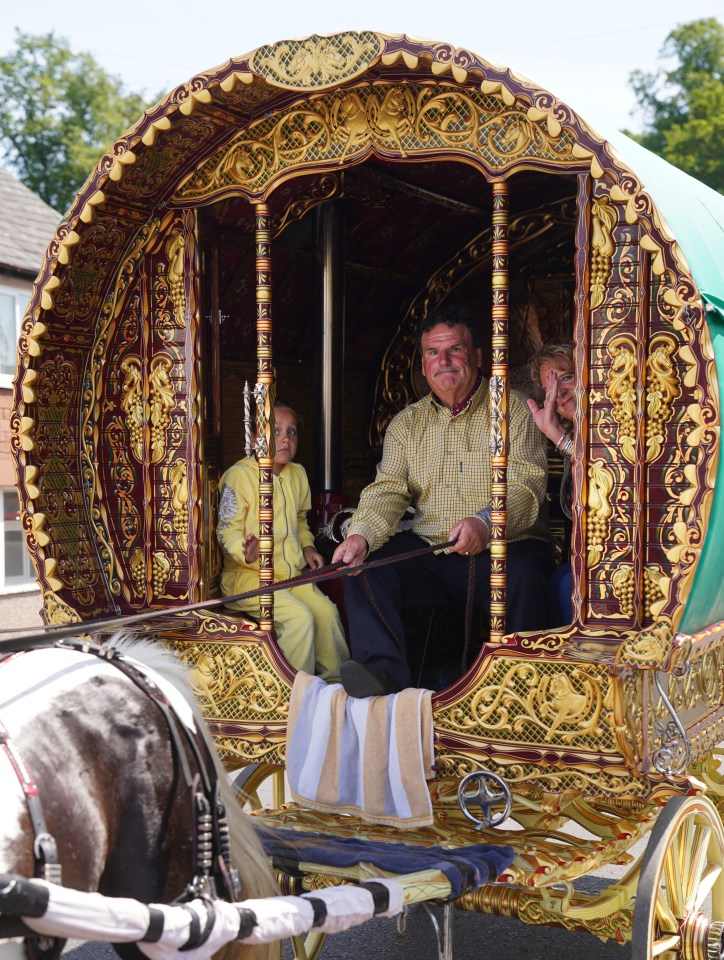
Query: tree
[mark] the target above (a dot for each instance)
(683, 102)
(59, 112)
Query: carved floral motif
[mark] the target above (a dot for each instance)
(601, 483)
(162, 403)
(132, 403)
(663, 386)
(180, 502)
(175, 248)
(603, 219)
(316, 61)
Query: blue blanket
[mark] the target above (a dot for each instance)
(466, 868)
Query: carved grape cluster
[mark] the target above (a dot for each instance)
(623, 587)
(181, 526)
(161, 571)
(178, 297)
(138, 572)
(652, 590)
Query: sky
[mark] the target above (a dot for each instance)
(583, 53)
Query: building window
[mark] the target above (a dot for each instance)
(12, 304)
(16, 570)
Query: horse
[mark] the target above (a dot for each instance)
(78, 725)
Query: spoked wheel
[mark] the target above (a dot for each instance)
(679, 909)
(247, 782)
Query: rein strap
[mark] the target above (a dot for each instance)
(329, 572)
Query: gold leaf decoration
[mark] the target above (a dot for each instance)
(600, 485)
(180, 502)
(162, 403)
(137, 566)
(416, 119)
(175, 248)
(58, 612)
(662, 388)
(132, 403)
(604, 218)
(161, 572)
(621, 391)
(316, 61)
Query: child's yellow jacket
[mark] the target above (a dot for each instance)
(239, 515)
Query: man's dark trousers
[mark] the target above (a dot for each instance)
(376, 631)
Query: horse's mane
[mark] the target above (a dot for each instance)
(247, 852)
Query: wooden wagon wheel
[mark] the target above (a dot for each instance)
(683, 866)
(247, 781)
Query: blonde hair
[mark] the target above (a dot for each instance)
(559, 350)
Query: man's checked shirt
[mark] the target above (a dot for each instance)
(440, 464)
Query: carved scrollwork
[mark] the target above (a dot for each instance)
(405, 120)
(162, 403)
(650, 648)
(601, 481)
(621, 391)
(57, 612)
(564, 705)
(234, 677)
(663, 386)
(604, 218)
(316, 61)
(132, 403)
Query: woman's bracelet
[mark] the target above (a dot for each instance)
(565, 445)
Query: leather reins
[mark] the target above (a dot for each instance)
(329, 572)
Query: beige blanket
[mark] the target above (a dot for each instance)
(370, 758)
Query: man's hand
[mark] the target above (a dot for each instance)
(471, 536)
(351, 551)
(314, 560)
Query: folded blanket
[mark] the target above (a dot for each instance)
(370, 758)
(466, 868)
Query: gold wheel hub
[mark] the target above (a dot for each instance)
(701, 938)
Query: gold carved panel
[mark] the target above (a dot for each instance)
(389, 119)
(317, 61)
(523, 701)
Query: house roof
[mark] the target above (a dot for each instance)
(27, 225)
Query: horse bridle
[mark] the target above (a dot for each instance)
(213, 874)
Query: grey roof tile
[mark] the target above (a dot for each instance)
(27, 225)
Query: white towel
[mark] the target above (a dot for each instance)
(367, 757)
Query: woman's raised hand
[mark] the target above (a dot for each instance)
(546, 417)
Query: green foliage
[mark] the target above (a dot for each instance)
(683, 102)
(59, 112)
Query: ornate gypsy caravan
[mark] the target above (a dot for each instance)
(287, 218)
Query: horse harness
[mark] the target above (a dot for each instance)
(45, 850)
(213, 875)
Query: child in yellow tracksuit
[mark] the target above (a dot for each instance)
(306, 622)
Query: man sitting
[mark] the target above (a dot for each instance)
(436, 456)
